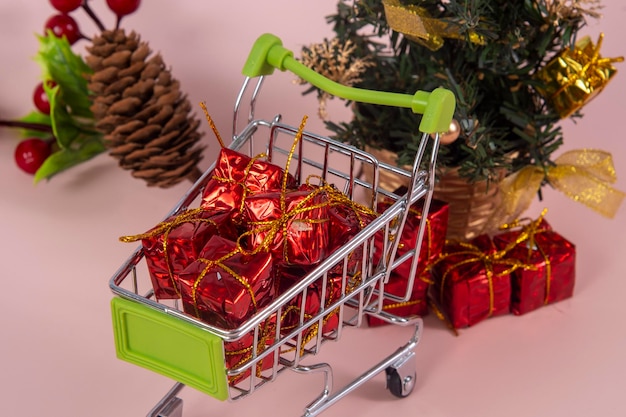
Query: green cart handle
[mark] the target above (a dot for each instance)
(437, 107)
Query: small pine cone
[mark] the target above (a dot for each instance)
(138, 106)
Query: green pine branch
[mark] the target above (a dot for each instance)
(505, 122)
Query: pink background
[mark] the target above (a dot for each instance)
(59, 249)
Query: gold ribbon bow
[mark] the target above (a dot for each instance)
(416, 24)
(584, 175)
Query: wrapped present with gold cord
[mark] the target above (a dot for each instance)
(576, 75)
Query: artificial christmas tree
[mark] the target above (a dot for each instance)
(517, 69)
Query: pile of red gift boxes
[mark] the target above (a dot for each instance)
(517, 271)
(526, 266)
(257, 232)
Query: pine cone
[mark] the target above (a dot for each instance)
(138, 105)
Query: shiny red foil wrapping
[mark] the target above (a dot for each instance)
(290, 320)
(223, 287)
(297, 235)
(416, 305)
(346, 219)
(345, 222)
(240, 352)
(175, 243)
(432, 245)
(470, 285)
(237, 175)
(553, 262)
(434, 235)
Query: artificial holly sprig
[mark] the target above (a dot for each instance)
(61, 132)
(71, 121)
(120, 99)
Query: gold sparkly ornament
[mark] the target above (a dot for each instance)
(575, 76)
(416, 24)
(451, 135)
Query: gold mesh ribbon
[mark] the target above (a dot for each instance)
(416, 24)
(575, 76)
(584, 175)
(164, 228)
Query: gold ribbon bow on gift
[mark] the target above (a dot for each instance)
(584, 175)
(416, 24)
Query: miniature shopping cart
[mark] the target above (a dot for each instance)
(157, 335)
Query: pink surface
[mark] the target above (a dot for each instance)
(59, 248)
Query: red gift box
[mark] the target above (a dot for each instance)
(434, 234)
(416, 305)
(472, 281)
(175, 243)
(292, 225)
(289, 275)
(346, 219)
(224, 287)
(236, 176)
(551, 259)
(432, 245)
(240, 352)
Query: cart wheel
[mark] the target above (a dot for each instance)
(398, 385)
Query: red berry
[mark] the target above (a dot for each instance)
(66, 6)
(123, 7)
(31, 153)
(40, 98)
(63, 24)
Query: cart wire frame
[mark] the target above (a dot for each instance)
(287, 348)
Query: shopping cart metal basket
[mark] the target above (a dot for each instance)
(158, 335)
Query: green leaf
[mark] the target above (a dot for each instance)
(64, 126)
(35, 117)
(68, 70)
(71, 119)
(67, 158)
